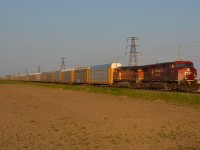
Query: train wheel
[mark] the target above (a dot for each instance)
(195, 87)
(173, 86)
(185, 87)
(166, 86)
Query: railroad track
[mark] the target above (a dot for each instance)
(169, 91)
(149, 90)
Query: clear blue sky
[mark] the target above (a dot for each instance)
(90, 32)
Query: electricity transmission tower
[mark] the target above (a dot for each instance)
(133, 61)
(62, 63)
(26, 71)
(38, 69)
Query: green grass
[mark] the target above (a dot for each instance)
(171, 97)
(8, 82)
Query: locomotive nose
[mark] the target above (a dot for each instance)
(190, 74)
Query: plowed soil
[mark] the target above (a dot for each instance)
(34, 117)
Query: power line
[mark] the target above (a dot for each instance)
(162, 49)
(163, 38)
(191, 45)
(183, 44)
(191, 42)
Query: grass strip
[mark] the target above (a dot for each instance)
(171, 97)
(9, 82)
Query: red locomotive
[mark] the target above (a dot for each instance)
(177, 75)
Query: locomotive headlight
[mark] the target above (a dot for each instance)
(188, 69)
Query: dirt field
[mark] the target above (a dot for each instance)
(43, 118)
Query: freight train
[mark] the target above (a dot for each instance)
(176, 76)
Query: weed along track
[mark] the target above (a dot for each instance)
(38, 117)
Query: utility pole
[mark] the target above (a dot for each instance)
(133, 61)
(116, 61)
(179, 52)
(141, 59)
(62, 63)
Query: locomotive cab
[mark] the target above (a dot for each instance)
(186, 71)
(187, 76)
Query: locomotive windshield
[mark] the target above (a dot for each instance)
(184, 65)
(189, 65)
(180, 65)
